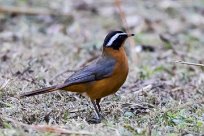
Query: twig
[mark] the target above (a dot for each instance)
(172, 45)
(184, 105)
(145, 89)
(78, 110)
(4, 85)
(82, 64)
(181, 106)
(61, 73)
(1, 123)
(122, 15)
(29, 11)
(54, 129)
(47, 128)
(71, 71)
(116, 131)
(124, 22)
(189, 63)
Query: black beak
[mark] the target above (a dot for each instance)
(131, 35)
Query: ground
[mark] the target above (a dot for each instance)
(160, 97)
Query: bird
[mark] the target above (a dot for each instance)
(100, 78)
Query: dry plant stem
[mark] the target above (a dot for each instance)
(61, 73)
(29, 11)
(178, 107)
(71, 71)
(183, 55)
(4, 85)
(78, 110)
(47, 128)
(175, 51)
(145, 89)
(124, 22)
(189, 63)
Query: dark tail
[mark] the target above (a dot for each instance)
(40, 91)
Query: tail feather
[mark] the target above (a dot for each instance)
(40, 91)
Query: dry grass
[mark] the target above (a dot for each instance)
(158, 98)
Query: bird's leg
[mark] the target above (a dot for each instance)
(97, 112)
(98, 105)
(98, 115)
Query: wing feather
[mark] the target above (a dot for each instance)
(95, 71)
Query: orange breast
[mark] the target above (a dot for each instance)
(101, 88)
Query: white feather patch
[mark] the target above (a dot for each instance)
(114, 38)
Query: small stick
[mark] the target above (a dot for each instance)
(77, 110)
(125, 24)
(47, 128)
(61, 73)
(189, 63)
(29, 11)
(5, 84)
(181, 106)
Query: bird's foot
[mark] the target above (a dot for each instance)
(93, 121)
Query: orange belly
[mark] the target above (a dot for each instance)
(100, 88)
(105, 87)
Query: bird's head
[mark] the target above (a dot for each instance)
(115, 39)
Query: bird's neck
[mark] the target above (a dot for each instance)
(110, 52)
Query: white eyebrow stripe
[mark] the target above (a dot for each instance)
(114, 38)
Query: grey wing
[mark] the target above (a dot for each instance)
(100, 69)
